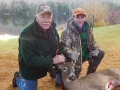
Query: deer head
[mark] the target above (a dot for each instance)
(68, 71)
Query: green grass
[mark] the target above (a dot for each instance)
(8, 47)
(107, 36)
(8, 44)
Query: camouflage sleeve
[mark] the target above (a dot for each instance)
(95, 46)
(66, 42)
(94, 43)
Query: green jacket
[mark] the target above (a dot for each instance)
(36, 50)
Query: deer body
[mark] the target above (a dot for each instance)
(93, 81)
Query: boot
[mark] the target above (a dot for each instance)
(90, 70)
(15, 78)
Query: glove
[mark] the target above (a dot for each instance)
(74, 55)
(95, 52)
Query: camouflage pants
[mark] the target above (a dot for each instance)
(96, 61)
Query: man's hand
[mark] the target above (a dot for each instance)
(74, 55)
(95, 52)
(58, 59)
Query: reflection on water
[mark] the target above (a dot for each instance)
(13, 25)
(7, 37)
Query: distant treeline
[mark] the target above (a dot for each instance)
(106, 13)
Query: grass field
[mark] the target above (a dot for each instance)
(108, 38)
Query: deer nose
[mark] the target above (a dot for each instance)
(72, 77)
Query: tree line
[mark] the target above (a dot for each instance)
(105, 13)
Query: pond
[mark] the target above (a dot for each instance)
(7, 37)
(13, 25)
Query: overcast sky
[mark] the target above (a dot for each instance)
(42, 1)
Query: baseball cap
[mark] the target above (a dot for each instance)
(79, 11)
(43, 8)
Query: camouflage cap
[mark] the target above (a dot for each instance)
(43, 8)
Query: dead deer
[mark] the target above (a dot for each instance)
(93, 81)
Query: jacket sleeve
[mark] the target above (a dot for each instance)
(66, 42)
(95, 46)
(27, 49)
(93, 41)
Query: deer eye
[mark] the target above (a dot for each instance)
(65, 69)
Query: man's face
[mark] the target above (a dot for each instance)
(80, 19)
(44, 20)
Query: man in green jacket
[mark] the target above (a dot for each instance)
(38, 43)
(79, 44)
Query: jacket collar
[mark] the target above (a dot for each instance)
(73, 26)
(37, 30)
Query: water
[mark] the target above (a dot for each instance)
(7, 37)
(13, 25)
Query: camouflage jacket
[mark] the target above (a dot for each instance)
(71, 40)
